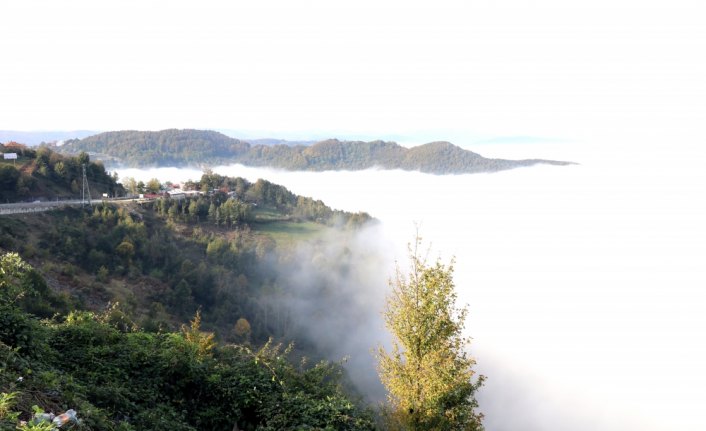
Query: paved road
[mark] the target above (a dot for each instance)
(33, 207)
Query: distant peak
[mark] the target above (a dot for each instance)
(329, 141)
(441, 144)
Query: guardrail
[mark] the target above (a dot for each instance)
(31, 207)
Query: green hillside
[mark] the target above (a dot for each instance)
(117, 376)
(200, 148)
(41, 173)
(118, 288)
(169, 257)
(165, 148)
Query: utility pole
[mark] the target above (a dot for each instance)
(85, 191)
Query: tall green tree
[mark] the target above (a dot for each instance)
(428, 374)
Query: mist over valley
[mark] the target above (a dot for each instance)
(566, 270)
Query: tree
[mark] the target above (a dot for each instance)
(8, 180)
(125, 249)
(130, 185)
(83, 158)
(153, 185)
(212, 217)
(242, 329)
(204, 342)
(61, 170)
(193, 211)
(13, 271)
(428, 374)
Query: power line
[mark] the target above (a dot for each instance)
(85, 191)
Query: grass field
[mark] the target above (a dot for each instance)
(267, 214)
(288, 232)
(281, 228)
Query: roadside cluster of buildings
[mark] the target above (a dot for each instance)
(175, 192)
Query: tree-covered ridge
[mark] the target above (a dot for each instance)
(139, 365)
(170, 147)
(131, 367)
(117, 376)
(267, 194)
(169, 257)
(212, 253)
(198, 148)
(44, 173)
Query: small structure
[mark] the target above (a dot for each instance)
(10, 156)
(177, 194)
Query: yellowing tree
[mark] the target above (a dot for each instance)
(153, 185)
(242, 329)
(428, 374)
(204, 342)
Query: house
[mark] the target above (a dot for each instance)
(177, 194)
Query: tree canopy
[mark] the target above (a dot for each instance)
(119, 377)
(46, 174)
(428, 374)
(202, 147)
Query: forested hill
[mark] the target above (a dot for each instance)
(199, 148)
(99, 322)
(40, 173)
(165, 148)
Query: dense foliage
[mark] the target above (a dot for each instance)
(163, 260)
(267, 194)
(217, 253)
(197, 148)
(128, 366)
(119, 377)
(170, 147)
(43, 173)
(428, 374)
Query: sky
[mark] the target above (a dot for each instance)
(585, 282)
(457, 70)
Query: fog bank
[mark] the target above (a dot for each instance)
(333, 289)
(584, 283)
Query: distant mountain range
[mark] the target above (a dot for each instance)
(201, 148)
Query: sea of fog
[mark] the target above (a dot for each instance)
(585, 283)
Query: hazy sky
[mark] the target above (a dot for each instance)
(444, 69)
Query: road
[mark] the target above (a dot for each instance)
(33, 207)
